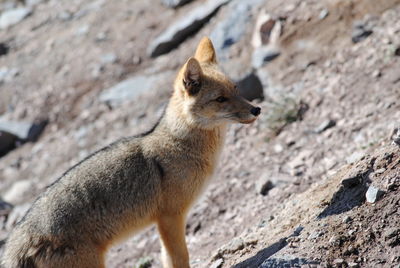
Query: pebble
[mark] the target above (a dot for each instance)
(347, 219)
(175, 3)
(360, 32)
(329, 123)
(18, 191)
(109, 58)
(217, 264)
(373, 194)
(264, 185)
(323, 14)
(179, 30)
(11, 17)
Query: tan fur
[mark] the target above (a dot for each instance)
(137, 181)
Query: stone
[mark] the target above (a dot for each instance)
(263, 29)
(217, 264)
(176, 33)
(7, 74)
(373, 194)
(145, 262)
(82, 30)
(8, 142)
(263, 55)
(175, 3)
(11, 17)
(250, 87)
(325, 125)
(338, 261)
(31, 3)
(397, 51)
(130, 88)
(109, 58)
(360, 32)
(18, 191)
(263, 186)
(65, 16)
(16, 215)
(233, 26)
(323, 14)
(396, 137)
(25, 131)
(354, 157)
(235, 245)
(391, 232)
(5, 208)
(347, 219)
(4, 48)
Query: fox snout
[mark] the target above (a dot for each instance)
(255, 111)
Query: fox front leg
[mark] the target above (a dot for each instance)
(174, 251)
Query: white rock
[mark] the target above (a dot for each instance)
(13, 16)
(18, 191)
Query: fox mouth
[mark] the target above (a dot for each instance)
(248, 121)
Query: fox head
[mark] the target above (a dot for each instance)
(205, 96)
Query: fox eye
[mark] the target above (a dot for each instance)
(221, 99)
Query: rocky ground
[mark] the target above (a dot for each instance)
(313, 183)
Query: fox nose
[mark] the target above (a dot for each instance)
(255, 111)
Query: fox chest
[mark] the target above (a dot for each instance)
(185, 178)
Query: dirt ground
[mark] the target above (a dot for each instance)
(330, 110)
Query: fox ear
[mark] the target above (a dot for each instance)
(205, 51)
(192, 76)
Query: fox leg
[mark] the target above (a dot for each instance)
(174, 251)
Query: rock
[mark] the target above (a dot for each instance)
(217, 264)
(323, 14)
(23, 130)
(175, 3)
(109, 58)
(11, 17)
(65, 16)
(17, 192)
(354, 157)
(5, 208)
(338, 262)
(347, 219)
(235, 245)
(31, 3)
(4, 48)
(250, 87)
(233, 27)
(397, 51)
(396, 136)
(353, 265)
(8, 142)
(183, 27)
(373, 194)
(263, 29)
(82, 30)
(263, 186)
(16, 215)
(263, 55)
(325, 125)
(360, 32)
(130, 88)
(145, 262)
(6, 74)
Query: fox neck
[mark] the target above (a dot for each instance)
(181, 126)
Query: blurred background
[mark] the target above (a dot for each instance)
(310, 184)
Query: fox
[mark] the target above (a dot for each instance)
(149, 179)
